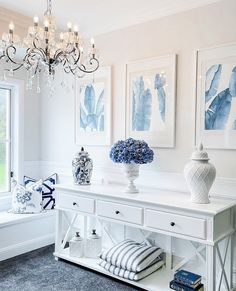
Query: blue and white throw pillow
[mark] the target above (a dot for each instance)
(27, 199)
(48, 190)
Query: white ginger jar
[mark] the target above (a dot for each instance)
(200, 175)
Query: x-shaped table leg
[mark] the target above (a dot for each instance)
(70, 223)
(222, 264)
(197, 252)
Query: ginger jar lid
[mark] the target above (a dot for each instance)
(200, 154)
(81, 154)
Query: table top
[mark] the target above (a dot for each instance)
(147, 195)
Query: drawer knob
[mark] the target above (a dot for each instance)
(172, 223)
(74, 203)
(117, 211)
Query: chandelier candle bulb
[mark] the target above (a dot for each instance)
(46, 24)
(36, 21)
(61, 36)
(11, 27)
(69, 25)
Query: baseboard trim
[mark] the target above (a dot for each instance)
(26, 246)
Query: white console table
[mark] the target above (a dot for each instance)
(205, 227)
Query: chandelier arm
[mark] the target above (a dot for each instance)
(2, 56)
(37, 51)
(14, 52)
(15, 69)
(68, 52)
(77, 59)
(83, 68)
(74, 60)
(58, 54)
(34, 42)
(66, 70)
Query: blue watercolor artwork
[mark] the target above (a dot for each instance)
(220, 89)
(160, 82)
(92, 108)
(141, 107)
(146, 92)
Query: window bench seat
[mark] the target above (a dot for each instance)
(20, 233)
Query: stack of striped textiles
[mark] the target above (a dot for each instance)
(131, 260)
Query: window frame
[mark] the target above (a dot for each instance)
(17, 135)
(8, 139)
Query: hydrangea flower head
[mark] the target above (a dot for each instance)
(131, 151)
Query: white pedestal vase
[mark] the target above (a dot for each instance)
(200, 175)
(131, 173)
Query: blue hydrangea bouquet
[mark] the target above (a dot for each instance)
(131, 153)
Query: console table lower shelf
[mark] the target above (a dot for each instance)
(159, 279)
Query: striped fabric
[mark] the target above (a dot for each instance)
(131, 256)
(132, 275)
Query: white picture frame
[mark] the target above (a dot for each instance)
(93, 108)
(216, 105)
(157, 78)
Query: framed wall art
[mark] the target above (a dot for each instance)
(150, 114)
(216, 97)
(93, 108)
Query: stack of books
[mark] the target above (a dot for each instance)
(186, 281)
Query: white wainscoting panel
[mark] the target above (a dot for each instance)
(222, 187)
(25, 233)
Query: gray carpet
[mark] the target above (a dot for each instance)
(38, 270)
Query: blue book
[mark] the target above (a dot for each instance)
(180, 287)
(186, 277)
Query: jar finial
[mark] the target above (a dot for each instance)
(200, 146)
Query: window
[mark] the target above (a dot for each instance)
(5, 138)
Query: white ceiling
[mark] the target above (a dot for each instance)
(100, 16)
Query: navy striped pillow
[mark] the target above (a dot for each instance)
(157, 264)
(131, 256)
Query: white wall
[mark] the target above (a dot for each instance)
(182, 34)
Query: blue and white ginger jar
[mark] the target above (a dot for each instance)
(82, 166)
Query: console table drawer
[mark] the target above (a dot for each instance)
(76, 203)
(119, 212)
(191, 226)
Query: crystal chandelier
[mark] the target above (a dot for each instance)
(46, 49)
